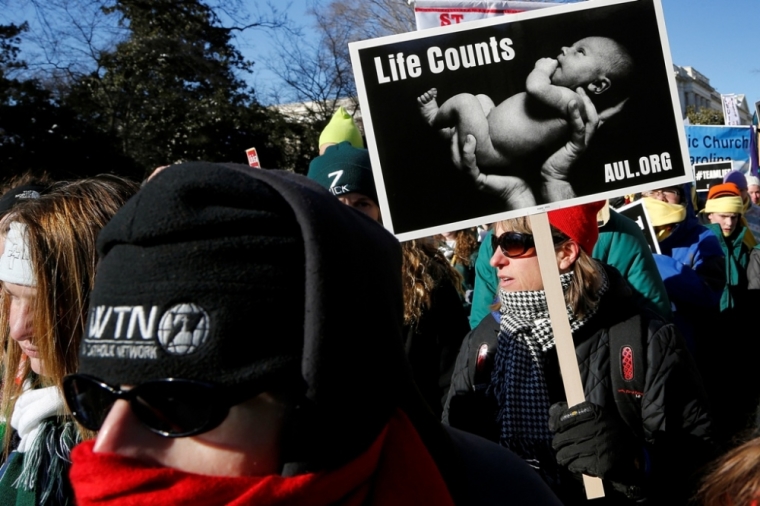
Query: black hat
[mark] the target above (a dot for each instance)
(238, 276)
(344, 169)
(18, 194)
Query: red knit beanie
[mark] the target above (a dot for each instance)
(578, 223)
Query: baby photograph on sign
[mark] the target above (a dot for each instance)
(505, 117)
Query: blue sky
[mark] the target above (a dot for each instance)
(715, 37)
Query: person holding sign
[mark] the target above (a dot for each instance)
(671, 195)
(535, 120)
(691, 264)
(644, 428)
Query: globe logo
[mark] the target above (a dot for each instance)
(183, 329)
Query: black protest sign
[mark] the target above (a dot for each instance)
(509, 82)
(709, 174)
(637, 212)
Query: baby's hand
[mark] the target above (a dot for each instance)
(547, 65)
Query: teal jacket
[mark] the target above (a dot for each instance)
(621, 244)
(737, 259)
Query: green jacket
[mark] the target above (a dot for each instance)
(621, 244)
(737, 259)
(10, 495)
(48, 483)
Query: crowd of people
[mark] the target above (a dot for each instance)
(227, 335)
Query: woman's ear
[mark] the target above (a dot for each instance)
(567, 254)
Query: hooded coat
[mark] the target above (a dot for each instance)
(340, 350)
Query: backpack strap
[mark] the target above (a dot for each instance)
(628, 368)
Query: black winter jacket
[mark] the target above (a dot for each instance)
(674, 425)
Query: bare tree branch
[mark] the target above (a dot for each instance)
(319, 75)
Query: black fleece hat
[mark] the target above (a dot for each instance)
(237, 276)
(192, 269)
(344, 169)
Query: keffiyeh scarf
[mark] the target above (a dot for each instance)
(518, 381)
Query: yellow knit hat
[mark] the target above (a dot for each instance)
(341, 128)
(724, 205)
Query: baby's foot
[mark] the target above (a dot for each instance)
(429, 109)
(428, 106)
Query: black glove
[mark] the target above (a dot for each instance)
(588, 441)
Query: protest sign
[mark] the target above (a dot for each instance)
(637, 212)
(715, 143)
(253, 158)
(421, 190)
(433, 13)
(730, 109)
(710, 174)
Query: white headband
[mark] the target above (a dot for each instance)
(16, 262)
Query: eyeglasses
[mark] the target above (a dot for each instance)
(660, 193)
(516, 244)
(169, 407)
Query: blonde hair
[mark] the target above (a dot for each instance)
(62, 228)
(583, 293)
(466, 243)
(734, 479)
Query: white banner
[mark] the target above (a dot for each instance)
(730, 109)
(434, 13)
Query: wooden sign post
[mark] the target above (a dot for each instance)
(563, 337)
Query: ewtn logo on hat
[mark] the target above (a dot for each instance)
(183, 329)
(129, 331)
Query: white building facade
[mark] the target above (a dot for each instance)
(694, 90)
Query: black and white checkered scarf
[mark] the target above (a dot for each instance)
(518, 382)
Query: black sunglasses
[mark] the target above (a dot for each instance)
(516, 244)
(169, 407)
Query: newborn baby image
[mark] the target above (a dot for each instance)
(534, 122)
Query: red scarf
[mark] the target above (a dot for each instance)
(395, 470)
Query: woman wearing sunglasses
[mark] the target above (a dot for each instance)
(644, 426)
(252, 375)
(46, 269)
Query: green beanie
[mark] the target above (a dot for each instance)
(344, 169)
(341, 128)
